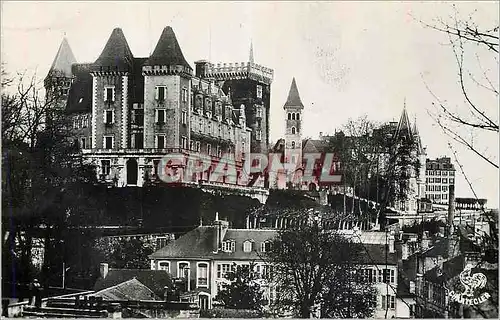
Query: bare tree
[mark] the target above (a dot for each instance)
(475, 49)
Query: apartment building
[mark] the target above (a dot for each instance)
(439, 176)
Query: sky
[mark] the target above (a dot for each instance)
(349, 58)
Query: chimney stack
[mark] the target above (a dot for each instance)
(451, 209)
(103, 269)
(391, 242)
(220, 228)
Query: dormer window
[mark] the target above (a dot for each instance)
(259, 91)
(228, 246)
(265, 246)
(109, 94)
(160, 93)
(247, 246)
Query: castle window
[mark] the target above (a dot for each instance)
(105, 167)
(293, 144)
(258, 135)
(137, 140)
(289, 116)
(160, 93)
(109, 116)
(83, 144)
(209, 149)
(293, 130)
(184, 142)
(293, 116)
(184, 117)
(160, 116)
(156, 164)
(247, 246)
(219, 151)
(259, 111)
(108, 142)
(298, 116)
(109, 93)
(184, 94)
(259, 91)
(160, 141)
(198, 146)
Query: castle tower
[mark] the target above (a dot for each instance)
(403, 135)
(293, 127)
(167, 91)
(249, 84)
(110, 93)
(59, 78)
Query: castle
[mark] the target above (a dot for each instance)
(129, 112)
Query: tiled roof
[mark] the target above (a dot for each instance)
(404, 124)
(116, 53)
(80, 93)
(198, 244)
(376, 254)
(131, 289)
(314, 146)
(61, 67)
(167, 51)
(293, 96)
(156, 280)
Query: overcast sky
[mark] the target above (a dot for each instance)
(348, 59)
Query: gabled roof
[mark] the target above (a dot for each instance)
(293, 96)
(61, 67)
(314, 146)
(131, 289)
(155, 280)
(167, 51)
(80, 93)
(116, 53)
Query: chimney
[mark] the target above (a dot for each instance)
(201, 68)
(426, 241)
(451, 208)
(391, 242)
(404, 251)
(103, 269)
(220, 228)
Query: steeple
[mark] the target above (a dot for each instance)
(61, 66)
(167, 51)
(293, 96)
(116, 53)
(404, 123)
(251, 52)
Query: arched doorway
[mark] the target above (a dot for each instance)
(132, 172)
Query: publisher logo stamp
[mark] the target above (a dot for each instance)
(472, 284)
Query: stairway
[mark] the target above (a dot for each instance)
(63, 308)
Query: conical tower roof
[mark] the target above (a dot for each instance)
(61, 67)
(404, 124)
(167, 51)
(116, 53)
(293, 96)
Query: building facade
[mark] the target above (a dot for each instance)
(206, 254)
(128, 112)
(439, 176)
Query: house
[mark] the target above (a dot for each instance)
(204, 255)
